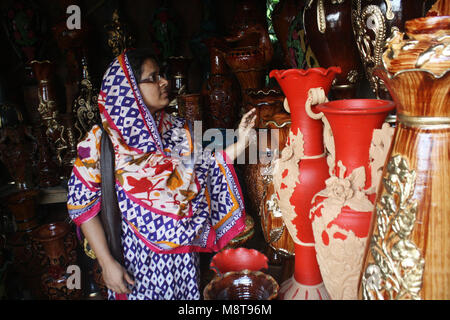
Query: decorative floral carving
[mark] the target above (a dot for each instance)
(397, 267)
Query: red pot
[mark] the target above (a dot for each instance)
(313, 171)
(342, 212)
(237, 260)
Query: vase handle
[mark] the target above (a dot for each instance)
(315, 96)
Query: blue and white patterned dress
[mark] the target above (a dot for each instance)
(172, 209)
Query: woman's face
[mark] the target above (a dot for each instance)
(154, 89)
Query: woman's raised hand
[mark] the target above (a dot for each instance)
(247, 123)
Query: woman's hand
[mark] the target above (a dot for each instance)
(246, 125)
(116, 277)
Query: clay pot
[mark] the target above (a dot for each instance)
(221, 90)
(373, 23)
(342, 212)
(189, 106)
(242, 285)
(59, 244)
(324, 23)
(406, 258)
(299, 174)
(237, 260)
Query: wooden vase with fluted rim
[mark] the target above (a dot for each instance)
(299, 174)
(407, 257)
(357, 140)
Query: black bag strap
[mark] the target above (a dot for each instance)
(110, 213)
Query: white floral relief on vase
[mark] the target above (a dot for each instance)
(340, 252)
(286, 176)
(341, 257)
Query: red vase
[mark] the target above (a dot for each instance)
(342, 212)
(299, 174)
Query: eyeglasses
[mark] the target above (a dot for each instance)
(153, 78)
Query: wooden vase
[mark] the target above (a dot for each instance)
(221, 89)
(59, 244)
(328, 29)
(408, 256)
(190, 107)
(249, 63)
(274, 229)
(373, 23)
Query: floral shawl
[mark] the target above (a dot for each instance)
(172, 203)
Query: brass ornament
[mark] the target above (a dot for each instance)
(396, 270)
(370, 50)
(87, 249)
(86, 104)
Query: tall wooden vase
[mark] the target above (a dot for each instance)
(328, 29)
(408, 255)
(299, 174)
(342, 212)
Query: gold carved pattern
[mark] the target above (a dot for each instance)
(398, 265)
(119, 38)
(86, 105)
(371, 50)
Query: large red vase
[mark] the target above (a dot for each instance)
(299, 174)
(341, 213)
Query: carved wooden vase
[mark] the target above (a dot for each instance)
(274, 229)
(59, 244)
(221, 90)
(374, 22)
(267, 103)
(328, 29)
(299, 174)
(249, 63)
(408, 251)
(342, 212)
(23, 205)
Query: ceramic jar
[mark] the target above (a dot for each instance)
(59, 244)
(328, 29)
(408, 256)
(374, 22)
(341, 213)
(190, 107)
(300, 173)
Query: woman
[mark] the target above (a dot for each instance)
(171, 208)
